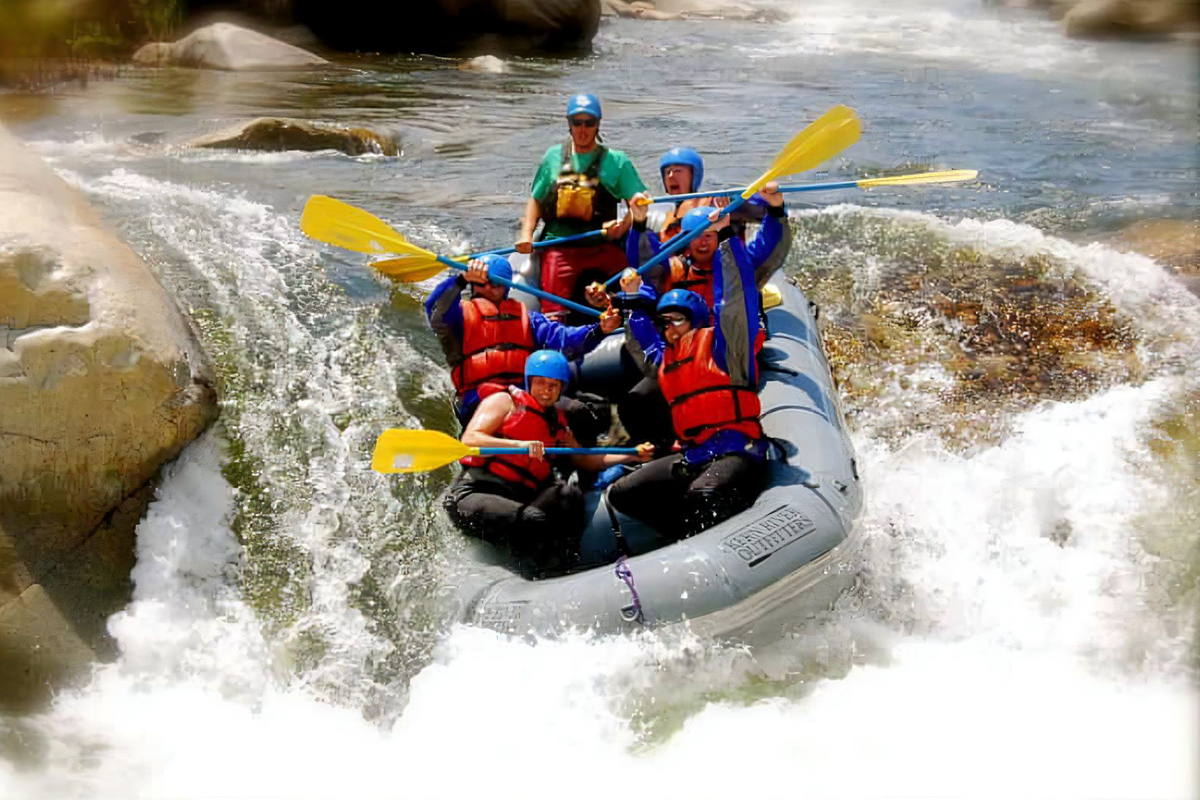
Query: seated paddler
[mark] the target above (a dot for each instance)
(487, 336)
(707, 372)
(643, 410)
(519, 501)
(577, 188)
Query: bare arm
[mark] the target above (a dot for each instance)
(533, 213)
(487, 420)
(600, 463)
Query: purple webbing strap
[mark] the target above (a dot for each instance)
(625, 574)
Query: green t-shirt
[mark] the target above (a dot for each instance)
(617, 174)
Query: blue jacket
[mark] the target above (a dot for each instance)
(766, 251)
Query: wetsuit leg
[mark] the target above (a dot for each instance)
(646, 416)
(726, 485)
(653, 493)
(542, 527)
(486, 506)
(676, 499)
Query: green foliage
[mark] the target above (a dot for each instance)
(99, 29)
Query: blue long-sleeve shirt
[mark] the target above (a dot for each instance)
(766, 251)
(735, 301)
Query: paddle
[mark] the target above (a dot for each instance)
(536, 245)
(337, 223)
(945, 176)
(830, 134)
(399, 450)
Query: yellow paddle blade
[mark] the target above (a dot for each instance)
(836, 130)
(409, 269)
(771, 296)
(830, 119)
(399, 450)
(945, 176)
(337, 223)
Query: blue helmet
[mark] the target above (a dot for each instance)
(696, 218)
(547, 364)
(584, 104)
(688, 158)
(497, 266)
(686, 302)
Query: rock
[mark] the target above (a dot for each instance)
(489, 64)
(101, 382)
(684, 9)
(226, 46)
(456, 27)
(640, 10)
(279, 134)
(1145, 18)
(1173, 243)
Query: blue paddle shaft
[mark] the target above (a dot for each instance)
(543, 243)
(678, 242)
(809, 187)
(560, 451)
(523, 288)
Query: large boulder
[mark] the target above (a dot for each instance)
(279, 134)
(1151, 18)
(226, 46)
(456, 27)
(1136, 19)
(101, 382)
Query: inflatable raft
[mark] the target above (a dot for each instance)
(784, 559)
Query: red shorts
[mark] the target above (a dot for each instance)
(562, 268)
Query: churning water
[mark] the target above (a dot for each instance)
(1024, 402)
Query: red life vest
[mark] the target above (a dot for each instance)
(527, 421)
(684, 275)
(671, 227)
(496, 342)
(701, 397)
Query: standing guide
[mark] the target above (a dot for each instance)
(576, 189)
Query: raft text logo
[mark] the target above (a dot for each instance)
(758, 542)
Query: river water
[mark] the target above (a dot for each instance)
(1023, 399)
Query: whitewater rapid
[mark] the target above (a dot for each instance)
(989, 657)
(1026, 623)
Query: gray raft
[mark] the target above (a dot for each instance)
(782, 560)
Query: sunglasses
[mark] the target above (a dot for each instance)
(662, 323)
(585, 123)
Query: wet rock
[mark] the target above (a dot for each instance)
(1129, 18)
(639, 10)
(720, 9)
(229, 47)
(937, 335)
(489, 64)
(278, 134)
(1171, 242)
(101, 382)
(1153, 18)
(690, 9)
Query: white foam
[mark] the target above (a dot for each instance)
(953, 33)
(1026, 648)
